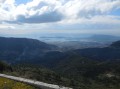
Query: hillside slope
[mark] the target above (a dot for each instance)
(15, 49)
(107, 53)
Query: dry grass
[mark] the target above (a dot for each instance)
(10, 84)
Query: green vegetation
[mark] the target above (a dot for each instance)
(40, 74)
(75, 71)
(4, 67)
(10, 84)
(90, 74)
(92, 68)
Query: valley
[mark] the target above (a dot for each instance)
(86, 68)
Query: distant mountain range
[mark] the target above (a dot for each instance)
(103, 38)
(79, 37)
(81, 42)
(27, 50)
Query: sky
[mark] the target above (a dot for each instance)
(35, 17)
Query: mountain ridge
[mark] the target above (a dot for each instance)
(22, 48)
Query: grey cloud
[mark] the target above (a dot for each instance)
(41, 4)
(89, 13)
(43, 18)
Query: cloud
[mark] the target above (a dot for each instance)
(88, 9)
(6, 26)
(43, 18)
(46, 11)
